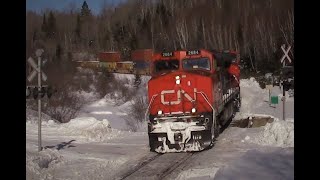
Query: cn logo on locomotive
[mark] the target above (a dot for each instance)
(179, 92)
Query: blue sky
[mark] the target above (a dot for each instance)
(94, 5)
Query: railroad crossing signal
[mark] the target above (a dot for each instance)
(35, 92)
(285, 54)
(35, 71)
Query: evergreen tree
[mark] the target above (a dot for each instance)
(44, 26)
(51, 25)
(85, 11)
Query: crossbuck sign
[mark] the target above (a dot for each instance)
(285, 54)
(35, 71)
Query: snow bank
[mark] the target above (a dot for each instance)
(47, 158)
(279, 133)
(255, 103)
(253, 86)
(126, 106)
(240, 116)
(250, 83)
(86, 96)
(252, 96)
(32, 116)
(86, 122)
(72, 165)
(90, 128)
(256, 100)
(99, 103)
(85, 129)
(38, 163)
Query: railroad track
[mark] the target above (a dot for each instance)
(158, 166)
(139, 166)
(174, 166)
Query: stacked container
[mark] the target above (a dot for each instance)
(108, 60)
(141, 59)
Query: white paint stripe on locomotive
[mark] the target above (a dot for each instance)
(187, 96)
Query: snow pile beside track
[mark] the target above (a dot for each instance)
(251, 83)
(90, 129)
(255, 100)
(32, 115)
(39, 162)
(86, 96)
(279, 133)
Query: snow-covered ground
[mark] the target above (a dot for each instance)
(108, 108)
(84, 148)
(95, 145)
(256, 101)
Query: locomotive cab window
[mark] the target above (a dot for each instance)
(196, 63)
(166, 65)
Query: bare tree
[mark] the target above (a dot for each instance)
(64, 106)
(256, 28)
(287, 30)
(137, 112)
(182, 33)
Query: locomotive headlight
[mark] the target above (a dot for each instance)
(159, 112)
(178, 80)
(193, 110)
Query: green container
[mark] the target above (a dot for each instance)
(274, 100)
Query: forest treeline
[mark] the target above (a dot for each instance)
(255, 28)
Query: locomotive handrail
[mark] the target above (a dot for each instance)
(213, 111)
(204, 97)
(152, 99)
(236, 78)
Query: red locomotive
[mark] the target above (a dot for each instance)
(191, 95)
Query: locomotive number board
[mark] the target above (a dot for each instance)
(167, 54)
(193, 52)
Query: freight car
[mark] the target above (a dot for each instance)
(108, 61)
(192, 94)
(108, 66)
(111, 62)
(141, 59)
(125, 67)
(95, 65)
(111, 56)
